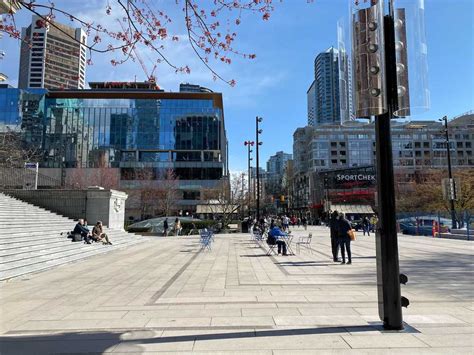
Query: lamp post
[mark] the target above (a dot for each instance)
(249, 144)
(258, 131)
(326, 193)
(382, 91)
(452, 183)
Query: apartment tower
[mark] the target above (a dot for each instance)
(53, 56)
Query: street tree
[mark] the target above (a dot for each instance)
(209, 27)
(225, 199)
(82, 178)
(14, 152)
(168, 193)
(426, 192)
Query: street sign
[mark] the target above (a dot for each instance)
(451, 188)
(30, 180)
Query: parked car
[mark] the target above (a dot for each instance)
(422, 225)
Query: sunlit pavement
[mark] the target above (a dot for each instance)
(168, 296)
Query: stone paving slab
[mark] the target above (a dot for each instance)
(168, 296)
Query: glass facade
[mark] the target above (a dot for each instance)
(10, 106)
(323, 94)
(142, 129)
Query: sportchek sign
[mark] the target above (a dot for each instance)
(355, 177)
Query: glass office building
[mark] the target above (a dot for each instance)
(130, 129)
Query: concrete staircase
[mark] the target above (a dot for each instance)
(31, 240)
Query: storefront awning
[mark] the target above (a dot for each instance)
(361, 209)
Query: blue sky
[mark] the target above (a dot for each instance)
(274, 85)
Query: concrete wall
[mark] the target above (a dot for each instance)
(93, 204)
(107, 206)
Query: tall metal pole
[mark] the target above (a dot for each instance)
(258, 172)
(388, 269)
(249, 189)
(452, 183)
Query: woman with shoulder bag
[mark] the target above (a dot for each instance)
(177, 227)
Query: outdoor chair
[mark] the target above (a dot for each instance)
(257, 236)
(206, 240)
(305, 242)
(271, 248)
(289, 243)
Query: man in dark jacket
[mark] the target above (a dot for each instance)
(344, 240)
(333, 223)
(165, 227)
(83, 231)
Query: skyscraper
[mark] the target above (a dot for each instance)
(324, 101)
(275, 169)
(56, 58)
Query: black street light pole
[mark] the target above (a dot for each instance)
(258, 143)
(388, 270)
(249, 144)
(381, 91)
(452, 183)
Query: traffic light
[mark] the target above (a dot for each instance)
(282, 198)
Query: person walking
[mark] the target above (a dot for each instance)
(304, 220)
(333, 225)
(177, 227)
(286, 223)
(373, 223)
(344, 226)
(366, 226)
(165, 227)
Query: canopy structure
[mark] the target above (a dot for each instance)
(351, 209)
(216, 208)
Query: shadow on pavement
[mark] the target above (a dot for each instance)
(303, 263)
(254, 255)
(131, 342)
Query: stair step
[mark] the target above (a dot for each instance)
(30, 239)
(25, 270)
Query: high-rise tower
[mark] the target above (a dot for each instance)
(324, 104)
(53, 56)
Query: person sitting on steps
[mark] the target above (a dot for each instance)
(98, 234)
(82, 230)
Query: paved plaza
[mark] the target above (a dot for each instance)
(168, 296)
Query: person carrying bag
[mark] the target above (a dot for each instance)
(351, 234)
